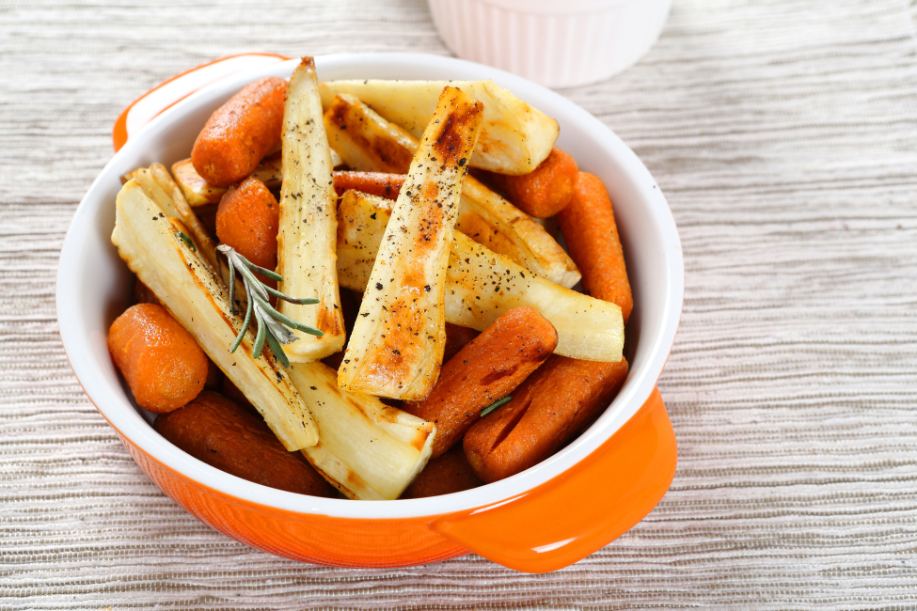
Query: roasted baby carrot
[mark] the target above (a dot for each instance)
(591, 234)
(160, 361)
(485, 370)
(223, 434)
(456, 338)
(444, 475)
(240, 133)
(555, 403)
(544, 191)
(247, 220)
(375, 183)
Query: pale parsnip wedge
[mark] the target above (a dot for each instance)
(199, 192)
(158, 185)
(158, 250)
(490, 220)
(308, 222)
(367, 141)
(367, 449)
(481, 284)
(193, 186)
(396, 346)
(515, 137)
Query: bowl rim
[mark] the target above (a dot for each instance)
(116, 410)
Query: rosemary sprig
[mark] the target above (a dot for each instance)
(272, 327)
(493, 406)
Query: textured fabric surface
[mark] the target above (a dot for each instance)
(784, 134)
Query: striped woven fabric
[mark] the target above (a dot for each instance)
(784, 133)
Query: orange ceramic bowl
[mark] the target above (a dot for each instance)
(547, 517)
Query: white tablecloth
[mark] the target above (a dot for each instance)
(784, 133)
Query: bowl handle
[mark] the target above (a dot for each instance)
(584, 509)
(173, 90)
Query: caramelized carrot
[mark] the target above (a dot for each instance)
(240, 133)
(221, 433)
(160, 361)
(558, 401)
(444, 475)
(544, 191)
(247, 220)
(485, 370)
(375, 183)
(456, 338)
(591, 234)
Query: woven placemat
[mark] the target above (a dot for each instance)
(784, 134)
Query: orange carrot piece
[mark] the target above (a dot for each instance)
(240, 133)
(591, 234)
(558, 401)
(375, 183)
(544, 191)
(456, 338)
(485, 370)
(223, 434)
(444, 475)
(247, 220)
(160, 361)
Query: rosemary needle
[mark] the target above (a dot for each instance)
(181, 235)
(271, 327)
(493, 406)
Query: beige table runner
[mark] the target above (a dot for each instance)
(784, 133)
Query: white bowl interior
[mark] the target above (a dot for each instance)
(93, 283)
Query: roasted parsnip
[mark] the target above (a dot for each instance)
(160, 251)
(306, 237)
(490, 220)
(364, 139)
(159, 186)
(367, 141)
(199, 192)
(481, 284)
(515, 137)
(396, 347)
(367, 450)
(195, 188)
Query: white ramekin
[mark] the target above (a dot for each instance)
(558, 43)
